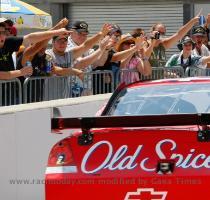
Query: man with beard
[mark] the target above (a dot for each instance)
(198, 34)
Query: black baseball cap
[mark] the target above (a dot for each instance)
(80, 26)
(198, 30)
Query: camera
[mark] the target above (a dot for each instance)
(157, 36)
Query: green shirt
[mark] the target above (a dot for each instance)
(158, 57)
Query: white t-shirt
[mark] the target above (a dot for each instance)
(63, 61)
(204, 51)
(87, 82)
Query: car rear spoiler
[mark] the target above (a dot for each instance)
(130, 121)
(87, 123)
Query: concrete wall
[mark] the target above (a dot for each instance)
(26, 140)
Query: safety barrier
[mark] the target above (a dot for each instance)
(129, 76)
(36, 89)
(10, 92)
(195, 71)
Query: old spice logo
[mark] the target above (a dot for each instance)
(120, 160)
(146, 194)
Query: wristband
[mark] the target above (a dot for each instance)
(145, 58)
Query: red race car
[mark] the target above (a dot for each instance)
(151, 142)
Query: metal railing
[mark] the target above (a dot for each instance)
(36, 89)
(129, 76)
(195, 71)
(10, 92)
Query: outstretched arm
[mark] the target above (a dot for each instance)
(169, 42)
(33, 38)
(90, 42)
(125, 54)
(32, 50)
(85, 61)
(16, 73)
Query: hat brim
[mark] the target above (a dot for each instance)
(118, 47)
(180, 45)
(199, 34)
(81, 30)
(56, 38)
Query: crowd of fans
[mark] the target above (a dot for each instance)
(74, 53)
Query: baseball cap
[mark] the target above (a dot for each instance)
(80, 26)
(116, 28)
(60, 37)
(198, 30)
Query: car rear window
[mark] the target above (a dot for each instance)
(162, 99)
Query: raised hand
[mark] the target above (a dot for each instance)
(197, 17)
(140, 42)
(63, 23)
(104, 42)
(106, 29)
(63, 31)
(208, 19)
(26, 71)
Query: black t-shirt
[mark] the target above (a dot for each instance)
(11, 45)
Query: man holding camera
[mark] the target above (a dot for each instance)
(158, 57)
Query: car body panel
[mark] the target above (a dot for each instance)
(118, 163)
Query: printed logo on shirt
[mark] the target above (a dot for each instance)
(4, 57)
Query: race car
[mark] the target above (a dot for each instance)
(151, 141)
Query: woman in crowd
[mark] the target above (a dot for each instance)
(137, 61)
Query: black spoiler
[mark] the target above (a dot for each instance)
(87, 123)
